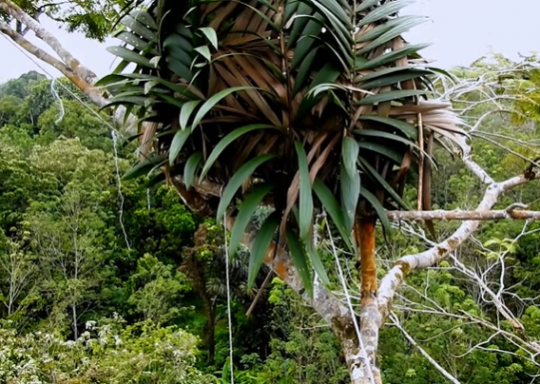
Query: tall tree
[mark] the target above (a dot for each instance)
(308, 107)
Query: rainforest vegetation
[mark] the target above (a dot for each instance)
(283, 192)
(104, 280)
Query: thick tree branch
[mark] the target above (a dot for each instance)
(82, 77)
(70, 61)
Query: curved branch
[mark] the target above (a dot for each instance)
(43, 34)
(432, 256)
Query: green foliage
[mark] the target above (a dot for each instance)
(65, 263)
(111, 352)
(157, 290)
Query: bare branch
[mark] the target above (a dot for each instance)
(435, 254)
(439, 214)
(432, 361)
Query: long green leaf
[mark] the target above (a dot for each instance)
(177, 144)
(237, 180)
(186, 111)
(385, 135)
(144, 167)
(350, 193)
(304, 71)
(379, 209)
(303, 47)
(394, 79)
(349, 155)
(381, 29)
(317, 264)
(397, 31)
(390, 96)
(223, 143)
(211, 102)
(144, 18)
(136, 42)
(138, 28)
(408, 129)
(365, 5)
(383, 150)
(383, 11)
(333, 208)
(179, 68)
(130, 56)
(299, 258)
(305, 195)
(190, 168)
(260, 247)
(245, 213)
(382, 182)
(391, 56)
(327, 75)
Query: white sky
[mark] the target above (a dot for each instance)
(461, 31)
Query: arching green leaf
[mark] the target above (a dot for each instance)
(376, 204)
(408, 129)
(382, 182)
(305, 195)
(383, 150)
(260, 247)
(144, 167)
(383, 11)
(245, 212)
(391, 56)
(386, 135)
(299, 258)
(237, 180)
(130, 56)
(223, 143)
(191, 166)
(317, 264)
(349, 155)
(350, 192)
(397, 31)
(179, 139)
(211, 102)
(390, 96)
(333, 208)
(186, 111)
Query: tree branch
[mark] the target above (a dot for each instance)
(70, 61)
(435, 254)
(432, 361)
(505, 214)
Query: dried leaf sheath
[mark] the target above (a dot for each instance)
(315, 95)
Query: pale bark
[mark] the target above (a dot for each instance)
(70, 61)
(504, 214)
(82, 77)
(88, 89)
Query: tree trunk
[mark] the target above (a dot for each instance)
(209, 329)
(74, 319)
(364, 368)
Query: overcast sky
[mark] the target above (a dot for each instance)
(461, 31)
